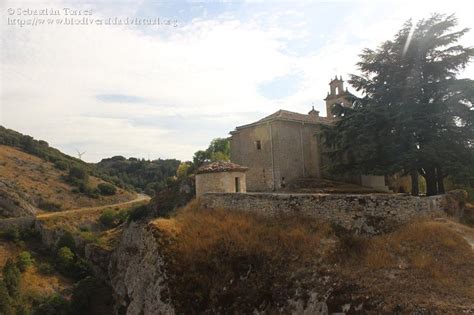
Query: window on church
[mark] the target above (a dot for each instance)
(258, 144)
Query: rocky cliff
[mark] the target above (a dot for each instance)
(13, 203)
(137, 275)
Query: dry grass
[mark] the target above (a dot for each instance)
(225, 262)
(236, 261)
(8, 250)
(424, 245)
(426, 263)
(34, 283)
(40, 180)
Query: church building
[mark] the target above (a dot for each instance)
(285, 145)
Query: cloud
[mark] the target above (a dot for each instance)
(165, 91)
(119, 98)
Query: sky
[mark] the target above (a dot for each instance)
(166, 90)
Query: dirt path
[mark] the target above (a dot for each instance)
(139, 197)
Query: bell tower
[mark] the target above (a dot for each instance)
(336, 95)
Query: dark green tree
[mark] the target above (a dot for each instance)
(415, 115)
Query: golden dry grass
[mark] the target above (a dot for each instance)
(41, 180)
(227, 261)
(8, 250)
(427, 263)
(234, 260)
(35, 283)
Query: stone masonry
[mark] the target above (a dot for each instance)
(368, 214)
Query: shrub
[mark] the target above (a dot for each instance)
(107, 189)
(24, 260)
(80, 269)
(78, 173)
(71, 265)
(13, 234)
(61, 165)
(89, 191)
(65, 259)
(49, 205)
(138, 213)
(107, 218)
(46, 268)
(5, 300)
(30, 234)
(122, 216)
(67, 240)
(11, 277)
(82, 296)
(54, 304)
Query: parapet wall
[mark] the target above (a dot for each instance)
(369, 213)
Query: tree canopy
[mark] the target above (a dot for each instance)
(218, 150)
(415, 116)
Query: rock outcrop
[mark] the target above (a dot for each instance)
(137, 274)
(14, 203)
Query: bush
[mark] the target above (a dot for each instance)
(107, 218)
(5, 300)
(107, 189)
(139, 213)
(53, 304)
(61, 165)
(78, 173)
(82, 296)
(65, 259)
(13, 234)
(71, 265)
(122, 216)
(24, 260)
(46, 268)
(80, 269)
(66, 240)
(49, 205)
(88, 191)
(11, 277)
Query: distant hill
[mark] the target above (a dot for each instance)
(142, 175)
(36, 177)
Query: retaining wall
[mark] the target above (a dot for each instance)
(368, 213)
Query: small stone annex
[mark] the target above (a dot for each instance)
(221, 177)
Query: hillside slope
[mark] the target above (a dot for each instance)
(29, 184)
(209, 261)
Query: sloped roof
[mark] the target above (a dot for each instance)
(220, 166)
(291, 116)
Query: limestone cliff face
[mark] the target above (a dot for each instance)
(137, 275)
(14, 203)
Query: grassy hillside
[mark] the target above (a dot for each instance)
(227, 262)
(40, 149)
(43, 185)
